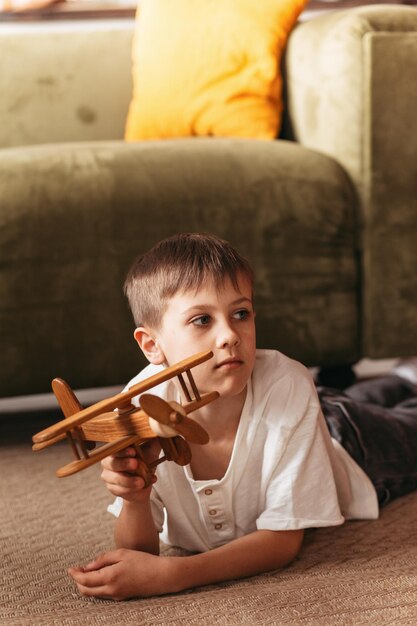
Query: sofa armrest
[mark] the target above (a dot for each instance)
(64, 82)
(351, 79)
(352, 94)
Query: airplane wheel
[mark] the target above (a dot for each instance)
(183, 451)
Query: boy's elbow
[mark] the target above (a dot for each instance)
(296, 543)
(288, 545)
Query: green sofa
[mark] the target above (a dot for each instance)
(327, 214)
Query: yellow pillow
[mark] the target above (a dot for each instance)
(209, 67)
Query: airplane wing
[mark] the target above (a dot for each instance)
(97, 455)
(119, 400)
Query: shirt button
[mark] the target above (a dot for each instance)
(212, 512)
(218, 526)
(208, 492)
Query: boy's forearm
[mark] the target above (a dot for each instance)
(261, 551)
(123, 574)
(135, 528)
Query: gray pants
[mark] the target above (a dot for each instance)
(376, 422)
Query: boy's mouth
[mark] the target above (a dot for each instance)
(230, 363)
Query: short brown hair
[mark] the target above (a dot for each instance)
(177, 264)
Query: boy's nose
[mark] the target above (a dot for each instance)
(227, 337)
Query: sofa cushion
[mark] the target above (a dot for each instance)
(209, 68)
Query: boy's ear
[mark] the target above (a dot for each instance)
(149, 345)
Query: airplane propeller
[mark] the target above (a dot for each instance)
(169, 419)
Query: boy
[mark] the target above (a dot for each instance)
(270, 469)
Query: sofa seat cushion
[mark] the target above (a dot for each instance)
(73, 217)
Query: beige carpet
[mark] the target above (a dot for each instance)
(360, 573)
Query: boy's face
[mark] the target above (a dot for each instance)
(220, 319)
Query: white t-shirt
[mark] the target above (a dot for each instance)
(285, 471)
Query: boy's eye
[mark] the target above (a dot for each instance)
(202, 320)
(243, 314)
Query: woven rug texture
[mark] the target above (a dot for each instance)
(358, 573)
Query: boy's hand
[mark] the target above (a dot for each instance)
(123, 574)
(118, 472)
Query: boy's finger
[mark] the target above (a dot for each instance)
(129, 492)
(101, 561)
(89, 584)
(92, 578)
(125, 464)
(96, 592)
(88, 579)
(126, 452)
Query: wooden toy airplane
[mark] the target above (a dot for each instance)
(118, 424)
